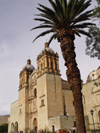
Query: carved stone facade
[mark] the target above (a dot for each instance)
(91, 96)
(45, 100)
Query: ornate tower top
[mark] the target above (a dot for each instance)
(47, 61)
(46, 45)
(25, 74)
(28, 62)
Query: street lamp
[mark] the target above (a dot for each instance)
(91, 111)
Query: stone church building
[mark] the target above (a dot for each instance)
(45, 100)
(91, 99)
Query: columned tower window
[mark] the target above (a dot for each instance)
(35, 92)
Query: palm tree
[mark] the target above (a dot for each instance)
(65, 20)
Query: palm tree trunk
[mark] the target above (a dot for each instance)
(66, 38)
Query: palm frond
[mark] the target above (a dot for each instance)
(84, 6)
(83, 17)
(59, 6)
(75, 10)
(84, 33)
(43, 26)
(83, 25)
(54, 36)
(43, 33)
(56, 9)
(76, 32)
(44, 20)
(48, 12)
(69, 7)
(64, 6)
(49, 18)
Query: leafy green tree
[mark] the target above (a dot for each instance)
(65, 20)
(4, 128)
(93, 43)
(96, 12)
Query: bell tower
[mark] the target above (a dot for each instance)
(47, 61)
(23, 107)
(48, 86)
(24, 75)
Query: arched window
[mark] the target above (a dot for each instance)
(74, 123)
(35, 124)
(92, 76)
(38, 68)
(41, 66)
(35, 92)
(73, 103)
(99, 115)
(52, 64)
(16, 126)
(53, 128)
(12, 127)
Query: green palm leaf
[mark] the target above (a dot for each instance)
(84, 33)
(75, 10)
(44, 20)
(48, 12)
(43, 33)
(43, 26)
(83, 25)
(54, 36)
(83, 17)
(56, 9)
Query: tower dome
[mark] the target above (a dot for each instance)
(29, 66)
(46, 48)
(25, 74)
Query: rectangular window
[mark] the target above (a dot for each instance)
(74, 123)
(42, 102)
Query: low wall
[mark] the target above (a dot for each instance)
(3, 119)
(64, 122)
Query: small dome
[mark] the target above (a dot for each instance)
(47, 49)
(29, 66)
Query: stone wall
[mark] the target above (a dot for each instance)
(13, 116)
(3, 119)
(64, 122)
(91, 93)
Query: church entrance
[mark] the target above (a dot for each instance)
(35, 124)
(53, 128)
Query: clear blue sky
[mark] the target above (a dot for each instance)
(16, 20)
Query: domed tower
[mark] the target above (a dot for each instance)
(47, 61)
(24, 75)
(23, 106)
(49, 87)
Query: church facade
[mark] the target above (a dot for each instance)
(45, 100)
(91, 99)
